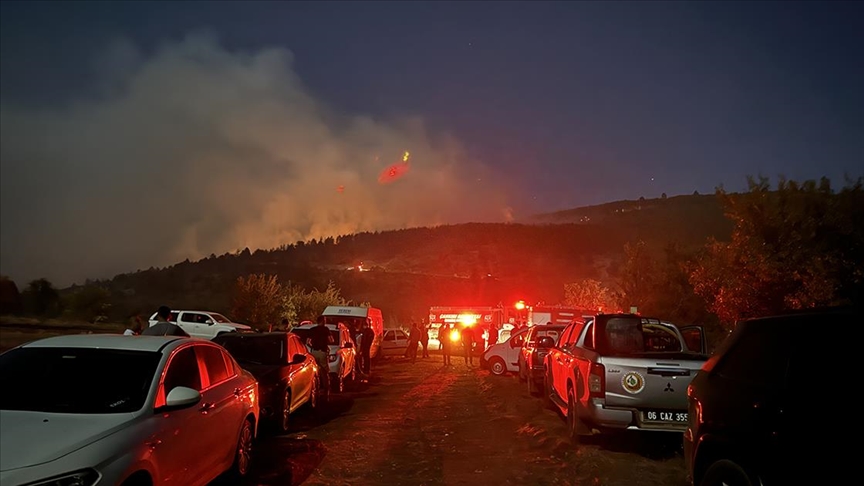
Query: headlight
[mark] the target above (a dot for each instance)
(85, 477)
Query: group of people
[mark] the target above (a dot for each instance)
(466, 339)
(418, 334)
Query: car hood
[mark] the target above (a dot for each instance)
(265, 374)
(33, 438)
(239, 327)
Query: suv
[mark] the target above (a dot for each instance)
(755, 408)
(203, 324)
(531, 356)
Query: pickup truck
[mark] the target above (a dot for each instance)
(622, 371)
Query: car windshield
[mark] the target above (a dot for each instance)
(352, 322)
(268, 350)
(220, 318)
(76, 380)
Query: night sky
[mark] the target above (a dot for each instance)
(558, 104)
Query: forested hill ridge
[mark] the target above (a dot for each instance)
(406, 271)
(689, 259)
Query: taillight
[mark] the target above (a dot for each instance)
(597, 381)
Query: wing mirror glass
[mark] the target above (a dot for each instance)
(546, 342)
(181, 396)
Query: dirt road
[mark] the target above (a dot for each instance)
(423, 424)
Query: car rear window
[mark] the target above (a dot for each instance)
(268, 350)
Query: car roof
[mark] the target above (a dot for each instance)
(109, 341)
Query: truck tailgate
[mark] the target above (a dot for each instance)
(649, 383)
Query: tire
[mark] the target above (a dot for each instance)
(243, 452)
(572, 417)
(727, 473)
(283, 424)
(497, 366)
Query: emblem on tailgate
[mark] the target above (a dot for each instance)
(633, 382)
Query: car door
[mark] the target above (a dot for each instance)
(178, 431)
(346, 346)
(559, 369)
(194, 324)
(301, 374)
(511, 356)
(220, 406)
(694, 339)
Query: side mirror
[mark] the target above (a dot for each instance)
(298, 358)
(546, 342)
(181, 397)
(209, 322)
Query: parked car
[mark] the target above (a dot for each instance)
(531, 369)
(754, 415)
(395, 342)
(124, 410)
(503, 357)
(203, 324)
(343, 353)
(287, 374)
(621, 371)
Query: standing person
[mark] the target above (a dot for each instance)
(424, 337)
(413, 342)
(286, 325)
(367, 336)
(319, 344)
(136, 328)
(468, 344)
(163, 326)
(445, 343)
(493, 334)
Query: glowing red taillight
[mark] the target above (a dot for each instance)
(597, 381)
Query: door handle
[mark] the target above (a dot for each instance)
(206, 407)
(237, 392)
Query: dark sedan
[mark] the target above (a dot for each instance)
(287, 374)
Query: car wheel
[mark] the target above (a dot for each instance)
(572, 417)
(726, 473)
(285, 416)
(497, 366)
(243, 454)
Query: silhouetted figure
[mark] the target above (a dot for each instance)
(468, 344)
(367, 336)
(424, 338)
(445, 343)
(163, 326)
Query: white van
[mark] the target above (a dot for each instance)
(353, 316)
(504, 356)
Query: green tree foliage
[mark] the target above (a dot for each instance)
(258, 300)
(588, 294)
(41, 298)
(10, 298)
(91, 303)
(301, 305)
(659, 286)
(799, 246)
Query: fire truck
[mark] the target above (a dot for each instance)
(480, 319)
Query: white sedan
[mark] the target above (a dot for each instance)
(124, 410)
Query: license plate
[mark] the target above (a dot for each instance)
(661, 416)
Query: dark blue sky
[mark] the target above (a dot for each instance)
(584, 102)
(571, 103)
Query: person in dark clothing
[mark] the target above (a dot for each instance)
(163, 326)
(468, 344)
(493, 335)
(367, 335)
(319, 343)
(424, 337)
(445, 343)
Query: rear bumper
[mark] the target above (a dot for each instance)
(598, 414)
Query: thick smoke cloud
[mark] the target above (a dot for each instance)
(197, 150)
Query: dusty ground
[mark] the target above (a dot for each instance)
(423, 424)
